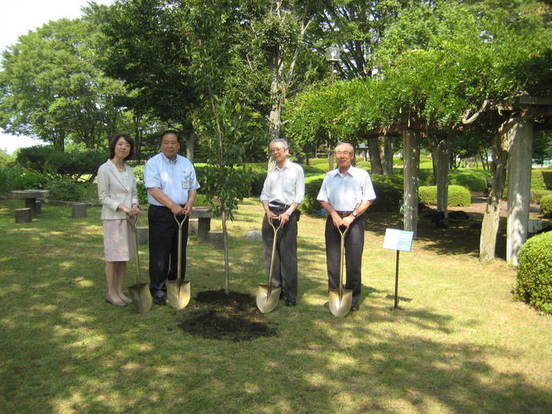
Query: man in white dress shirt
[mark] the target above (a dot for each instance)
(283, 192)
(171, 183)
(346, 193)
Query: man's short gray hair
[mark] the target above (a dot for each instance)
(339, 144)
(279, 141)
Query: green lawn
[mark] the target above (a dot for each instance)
(460, 344)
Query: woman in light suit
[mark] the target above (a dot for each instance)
(117, 193)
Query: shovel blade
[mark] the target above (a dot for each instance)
(340, 306)
(179, 293)
(141, 297)
(267, 302)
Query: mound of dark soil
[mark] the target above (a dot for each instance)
(233, 317)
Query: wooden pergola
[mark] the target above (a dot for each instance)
(519, 169)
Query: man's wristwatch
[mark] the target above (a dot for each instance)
(354, 214)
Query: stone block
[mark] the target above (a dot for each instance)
(23, 215)
(254, 235)
(78, 210)
(192, 226)
(143, 235)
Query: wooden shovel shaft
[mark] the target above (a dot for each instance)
(133, 227)
(179, 256)
(275, 229)
(342, 261)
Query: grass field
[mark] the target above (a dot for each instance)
(460, 344)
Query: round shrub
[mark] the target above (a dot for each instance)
(312, 186)
(534, 277)
(457, 195)
(546, 205)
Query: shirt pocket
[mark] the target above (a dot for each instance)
(186, 180)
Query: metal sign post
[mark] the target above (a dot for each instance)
(398, 240)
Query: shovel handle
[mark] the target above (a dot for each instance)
(275, 239)
(133, 224)
(342, 259)
(179, 256)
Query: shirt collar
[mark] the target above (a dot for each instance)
(350, 172)
(286, 165)
(165, 158)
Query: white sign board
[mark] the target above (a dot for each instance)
(398, 240)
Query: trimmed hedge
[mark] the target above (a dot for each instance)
(47, 160)
(536, 195)
(457, 195)
(541, 179)
(534, 277)
(546, 205)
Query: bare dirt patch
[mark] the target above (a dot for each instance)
(228, 317)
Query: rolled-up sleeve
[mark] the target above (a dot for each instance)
(103, 190)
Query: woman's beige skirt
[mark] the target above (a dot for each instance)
(118, 241)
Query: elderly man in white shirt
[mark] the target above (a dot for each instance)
(283, 192)
(346, 193)
(171, 183)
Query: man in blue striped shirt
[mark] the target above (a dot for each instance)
(172, 185)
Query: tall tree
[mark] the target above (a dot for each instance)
(52, 88)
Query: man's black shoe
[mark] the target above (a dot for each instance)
(160, 300)
(290, 302)
(355, 308)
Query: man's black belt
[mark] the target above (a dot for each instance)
(276, 204)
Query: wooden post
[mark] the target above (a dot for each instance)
(411, 157)
(23, 215)
(78, 210)
(519, 187)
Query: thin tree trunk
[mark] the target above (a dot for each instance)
(411, 156)
(375, 159)
(137, 137)
(275, 119)
(226, 258)
(387, 161)
(441, 159)
(190, 143)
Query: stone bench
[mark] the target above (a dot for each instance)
(203, 216)
(31, 197)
